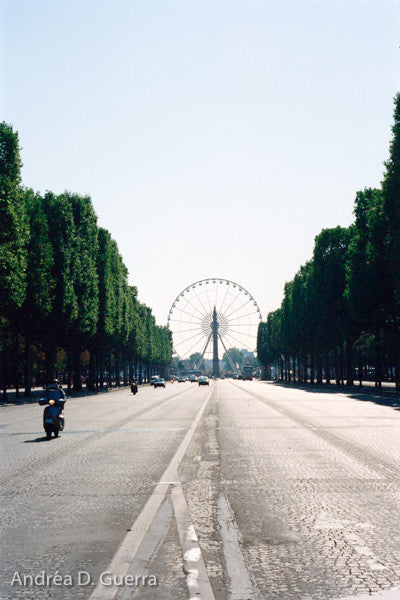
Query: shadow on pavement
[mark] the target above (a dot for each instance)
(41, 439)
(38, 393)
(384, 397)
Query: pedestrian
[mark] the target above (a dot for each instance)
(134, 387)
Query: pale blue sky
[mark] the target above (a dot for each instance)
(216, 138)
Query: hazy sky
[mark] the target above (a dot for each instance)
(216, 138)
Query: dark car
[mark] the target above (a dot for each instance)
(181, 379)
(203, 380)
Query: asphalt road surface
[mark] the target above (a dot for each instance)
(238, 491)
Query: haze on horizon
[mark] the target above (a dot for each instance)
(216, 139)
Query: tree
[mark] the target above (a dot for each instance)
(233, 356)
(391, 211)
(329, 280)
(368, 282)
(13, 233)
(39, 280)
(73, 320)
(194, 360)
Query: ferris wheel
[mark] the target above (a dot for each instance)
(213, 312)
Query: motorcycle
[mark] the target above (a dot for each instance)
(53, 420)
(134, 388)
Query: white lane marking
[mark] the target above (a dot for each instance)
(192, 555)
(393, 594)
(325, 520)
(359, 546)
(191, 534)
(131, 543)
(196, 573)
(240, 584)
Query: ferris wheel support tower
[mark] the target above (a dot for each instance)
(214, 327)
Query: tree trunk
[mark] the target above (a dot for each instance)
(4, 374)
(15, 366)
(28, 369)
(109, 372)
(327, 370)
(69, 369)
(101, 368)
(117, 369)
(76, 365)
(50, 364)
(130, 371)
(343, 371)
(319, 369)
(378, 361)
(90, 383)
(349, 363)
(337, 367)
(125, 371)
(312, 367)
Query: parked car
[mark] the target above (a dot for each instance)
(203, 380)
(159, 383)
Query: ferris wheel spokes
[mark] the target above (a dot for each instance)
(236, 340)
(188, 339)
(236, 309)
(195, 307)
(204, 351)
(227, 354)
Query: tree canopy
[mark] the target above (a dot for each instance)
(65, 301)
(340, 314)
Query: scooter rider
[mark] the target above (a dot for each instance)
(134, 387)
(55, 392)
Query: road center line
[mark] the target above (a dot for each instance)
(196, 573)
(131, 543)
(240, 584)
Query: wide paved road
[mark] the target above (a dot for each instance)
(243, 490)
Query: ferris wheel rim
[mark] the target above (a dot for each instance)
(213, 280)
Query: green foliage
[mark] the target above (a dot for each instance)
(348, 296)
(63, 282)
(391, 216)
(39, 275)
(13, 224)
(233, 355)
(367, 281)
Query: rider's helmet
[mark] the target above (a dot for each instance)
(53, 385)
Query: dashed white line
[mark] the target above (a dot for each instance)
(240, 585)
(132, 541)
(196, 573)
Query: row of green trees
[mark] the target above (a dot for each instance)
(65, 301)
(340, 315)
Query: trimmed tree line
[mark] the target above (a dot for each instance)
(340, 315)
(66, 308)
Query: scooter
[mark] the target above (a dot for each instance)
(53, 420)
(134, 388)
